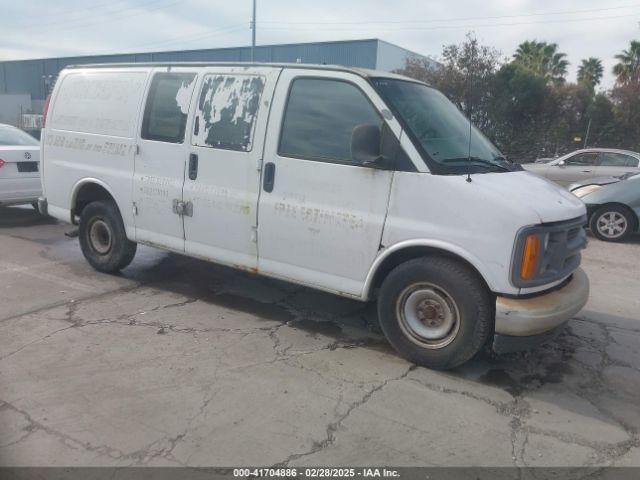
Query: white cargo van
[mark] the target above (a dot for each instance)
(364, 184)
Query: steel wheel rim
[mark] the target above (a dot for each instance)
(428, 315)
(100, 236)
(612, 224)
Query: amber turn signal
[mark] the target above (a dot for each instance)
(529, 257)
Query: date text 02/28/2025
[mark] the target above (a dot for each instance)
(316, 472)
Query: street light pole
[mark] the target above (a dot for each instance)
(253, 32)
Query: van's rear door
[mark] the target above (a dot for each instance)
(223, 172)
(162, 155)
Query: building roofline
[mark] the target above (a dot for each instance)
(412, 52)
(104, 54)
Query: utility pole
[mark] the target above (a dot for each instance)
(586, 137)
(253, 32)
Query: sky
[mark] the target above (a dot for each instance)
(581, 28)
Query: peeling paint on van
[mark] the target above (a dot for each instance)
(227, 109)
(183, 97)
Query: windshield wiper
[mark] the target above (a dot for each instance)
(477, 162)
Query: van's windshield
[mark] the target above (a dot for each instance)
(441, 130)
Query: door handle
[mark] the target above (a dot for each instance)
(269, 177)
(193, 166)
(587, 171)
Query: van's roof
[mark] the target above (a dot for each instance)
(363, 72)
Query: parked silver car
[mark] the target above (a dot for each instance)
(19, 167)
(583, 165)
(613, 205)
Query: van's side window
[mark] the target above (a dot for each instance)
(165, 114)
(227, 110)
(320, 117)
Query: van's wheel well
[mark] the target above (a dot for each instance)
(404, 255)
(89, 192)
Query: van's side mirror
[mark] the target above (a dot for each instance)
(366, 145)
(562, 163)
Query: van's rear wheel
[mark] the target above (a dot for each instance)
(435, 312)
(103, 240)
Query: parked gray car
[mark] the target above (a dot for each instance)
(587, 164)
(613, 205)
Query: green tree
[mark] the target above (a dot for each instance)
(519, 111)
(465, 77)
(628, 67)
(569, 116)
(543, 59)
(603, 131)
(626, 101)
(526, 108)
(590, 72)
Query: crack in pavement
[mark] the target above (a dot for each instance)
(64, 303)
(333, 427)
(67, 440)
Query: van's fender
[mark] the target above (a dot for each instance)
(437, 245)
(127, 220)
(83, 181)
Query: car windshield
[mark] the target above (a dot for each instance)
(13, 136)
(441, 130)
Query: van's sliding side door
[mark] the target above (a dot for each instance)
(222, 178)
(161, 159)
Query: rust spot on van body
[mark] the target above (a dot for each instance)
(252, 270)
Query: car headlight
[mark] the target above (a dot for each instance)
(586, 190)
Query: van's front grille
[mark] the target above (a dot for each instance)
(560, 246)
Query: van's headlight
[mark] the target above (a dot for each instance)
(586, 190)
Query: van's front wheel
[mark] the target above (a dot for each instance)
(435, 312)
(103, 240)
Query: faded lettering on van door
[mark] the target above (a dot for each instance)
(103, 103)
(85, 144)
(227, 110)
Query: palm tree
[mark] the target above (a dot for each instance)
(542, 58)
(590, 72)
(628, 68)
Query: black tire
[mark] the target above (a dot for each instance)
(103, 240)
(449, 286)
(613, 223)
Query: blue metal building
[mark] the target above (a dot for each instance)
(33, 77)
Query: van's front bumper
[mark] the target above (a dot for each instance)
(522, 323)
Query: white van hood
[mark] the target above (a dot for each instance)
(549, 201)
(478, 221)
